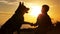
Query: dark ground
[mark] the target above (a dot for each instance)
(56, 31)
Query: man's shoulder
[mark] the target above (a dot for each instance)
(41, 15)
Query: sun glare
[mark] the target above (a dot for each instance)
(35, 10)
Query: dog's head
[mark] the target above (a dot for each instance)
(22, 8)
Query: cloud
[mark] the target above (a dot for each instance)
(8, 5)
(5, 7)
(9, 1)
(2, 1)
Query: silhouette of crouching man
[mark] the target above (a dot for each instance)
(43, 21)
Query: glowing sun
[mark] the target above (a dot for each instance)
(35, 10)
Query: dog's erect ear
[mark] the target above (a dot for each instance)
(22, 3)
(19, 3)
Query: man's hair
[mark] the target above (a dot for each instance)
(46, 7)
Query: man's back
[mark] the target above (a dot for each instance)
(44, 20)
(44, 23)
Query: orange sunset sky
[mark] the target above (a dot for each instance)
(8, 7)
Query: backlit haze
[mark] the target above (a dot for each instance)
(8, 7)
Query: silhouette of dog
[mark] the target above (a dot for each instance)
(15, 22)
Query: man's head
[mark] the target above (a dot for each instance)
(45, 8)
